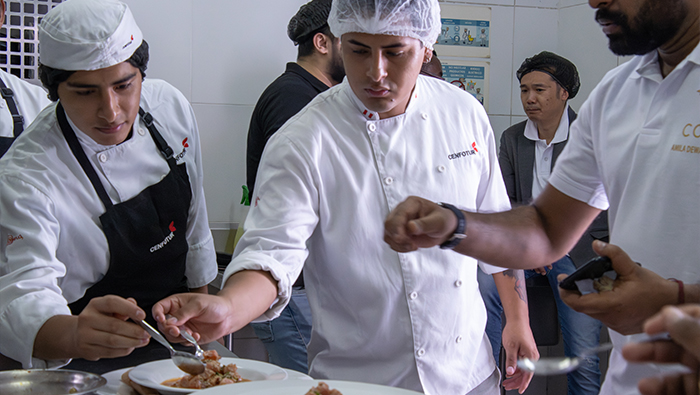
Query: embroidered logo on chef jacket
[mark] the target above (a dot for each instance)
(167, 239)
(464, 153)
(184, 150)
(11, 239)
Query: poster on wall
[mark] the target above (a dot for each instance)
(472, 77)
(466, 31)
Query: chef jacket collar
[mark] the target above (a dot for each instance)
(96, 147)
(373, 115)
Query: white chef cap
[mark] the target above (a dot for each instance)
(419, 19)
(88, 35)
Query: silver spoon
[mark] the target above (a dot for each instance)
(188, 336)
(562, 365)
(185, 361)
(199, 353)
(559, 365)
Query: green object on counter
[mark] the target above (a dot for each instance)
(245, 199)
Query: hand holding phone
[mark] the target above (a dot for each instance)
(594, 269)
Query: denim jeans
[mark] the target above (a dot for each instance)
(287, 336)
(579, 331)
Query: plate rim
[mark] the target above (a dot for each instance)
(261, 385)
(226, 360)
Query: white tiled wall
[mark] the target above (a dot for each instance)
(535, 30)
(501, 60)
(222, 53)
(169, 38)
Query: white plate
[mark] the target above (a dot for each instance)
(114, 385)
(301, 387)
(152, 374)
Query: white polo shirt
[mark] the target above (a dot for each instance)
(542, 168)
(636, 145)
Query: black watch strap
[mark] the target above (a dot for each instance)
(458, 234)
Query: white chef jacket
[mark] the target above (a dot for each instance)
(54, 247)
(327, 180)
(636, 144)
(29, 98)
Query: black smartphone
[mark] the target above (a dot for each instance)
(593, 269)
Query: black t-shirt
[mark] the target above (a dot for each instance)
(281, 100)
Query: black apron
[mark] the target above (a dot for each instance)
(147, 244)
(17, 119)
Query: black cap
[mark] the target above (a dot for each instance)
(310, 17)
(561, 69)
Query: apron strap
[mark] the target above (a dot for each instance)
(17, 119)
(79, 154)
(162, 145)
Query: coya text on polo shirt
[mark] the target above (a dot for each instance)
(463, 154)
(690, 131)
(167, 239)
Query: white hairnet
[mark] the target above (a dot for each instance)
(419, 19)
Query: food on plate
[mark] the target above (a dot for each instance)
(322, 389)
(214, 374)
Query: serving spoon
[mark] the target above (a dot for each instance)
(188, 363)
(562, 365)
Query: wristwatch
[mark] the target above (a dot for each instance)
(458, 234)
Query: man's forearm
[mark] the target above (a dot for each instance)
(250, 292)
(530, 236)
(513, 239)
(513, 294)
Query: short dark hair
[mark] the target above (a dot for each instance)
(51, 77)
(306, 43)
